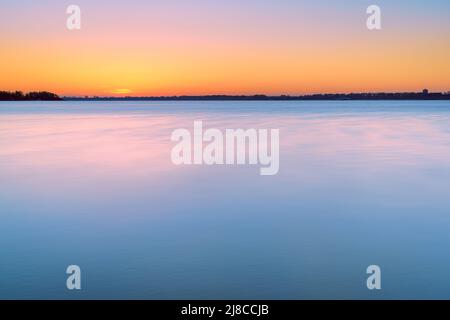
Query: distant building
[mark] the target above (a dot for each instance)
(425, 92)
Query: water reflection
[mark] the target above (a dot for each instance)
(93, 184)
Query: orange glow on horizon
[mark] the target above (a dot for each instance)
(145, 57)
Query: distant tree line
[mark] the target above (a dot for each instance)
(424, 95)
(30, 96)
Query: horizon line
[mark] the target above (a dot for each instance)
(259, 95)
(421, 95)
(425, 94)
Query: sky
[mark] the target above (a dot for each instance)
(194, 47)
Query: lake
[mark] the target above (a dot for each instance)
(92, 184)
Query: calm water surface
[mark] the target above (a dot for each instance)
(92, 184)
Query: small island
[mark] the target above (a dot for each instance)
(30, 96)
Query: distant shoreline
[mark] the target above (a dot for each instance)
(48, 96)
(251, 98)
(423, 95)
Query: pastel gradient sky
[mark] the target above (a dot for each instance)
(173, 47)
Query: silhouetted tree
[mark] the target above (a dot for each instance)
(19, 96)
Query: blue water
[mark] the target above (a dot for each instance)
(92, 184)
